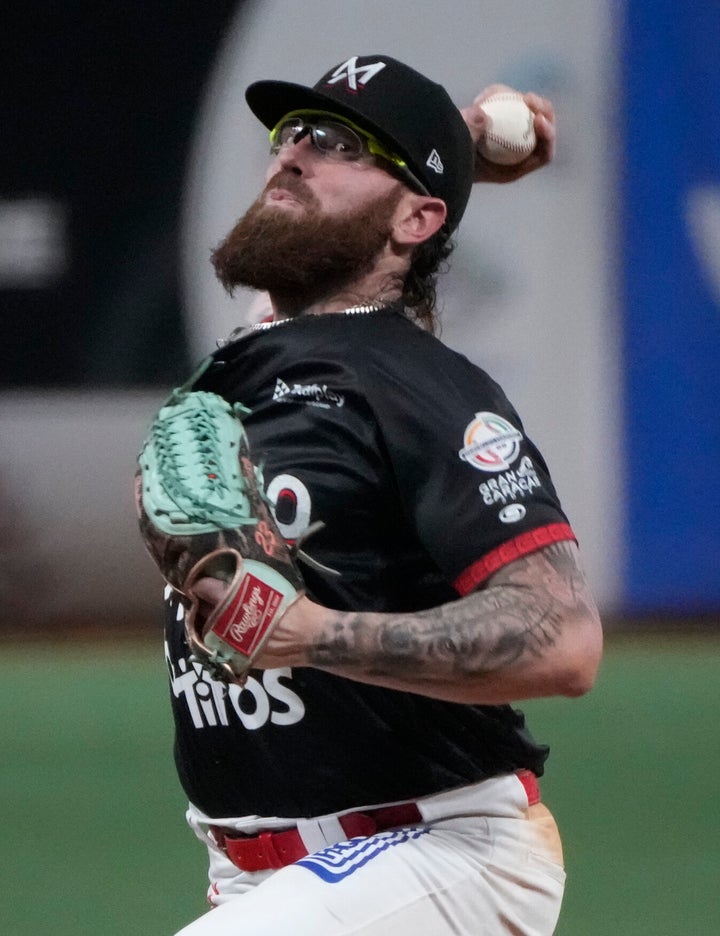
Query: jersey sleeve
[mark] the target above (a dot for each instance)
(475, 487)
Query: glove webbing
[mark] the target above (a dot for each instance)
(197, 476)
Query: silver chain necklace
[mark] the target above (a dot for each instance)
(363, 308)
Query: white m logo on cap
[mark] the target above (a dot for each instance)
(354, 75)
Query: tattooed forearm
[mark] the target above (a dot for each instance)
(518, 617)
(486, 631)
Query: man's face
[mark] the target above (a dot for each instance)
(318, 225)
(340, 162)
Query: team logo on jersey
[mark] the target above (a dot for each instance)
(313, 394)
(355, 74)
(337, 862)
(491, 443)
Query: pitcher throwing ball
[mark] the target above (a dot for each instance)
(368, 563)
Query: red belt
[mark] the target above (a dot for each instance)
(278, 849)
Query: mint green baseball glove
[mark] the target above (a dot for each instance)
(202, 513)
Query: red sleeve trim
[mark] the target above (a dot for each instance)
(514, 549)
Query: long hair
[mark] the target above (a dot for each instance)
(420, 286)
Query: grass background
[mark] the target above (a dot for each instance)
(92, 816)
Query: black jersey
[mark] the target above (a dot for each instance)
(421, 472)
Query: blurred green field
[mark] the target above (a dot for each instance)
(92, 817)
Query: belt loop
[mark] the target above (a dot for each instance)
(311, 834)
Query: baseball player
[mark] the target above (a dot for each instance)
(370, 774)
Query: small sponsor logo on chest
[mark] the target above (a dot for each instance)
(313, 394)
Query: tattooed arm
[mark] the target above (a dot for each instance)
(533, 630)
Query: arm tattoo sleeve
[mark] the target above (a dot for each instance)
(516, 617)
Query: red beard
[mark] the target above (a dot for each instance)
(303, 257)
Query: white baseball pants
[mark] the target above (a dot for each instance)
(482, 863)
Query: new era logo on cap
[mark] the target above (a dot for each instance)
(435, 162)
(355, 74)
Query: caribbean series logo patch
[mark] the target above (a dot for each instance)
(491, 443)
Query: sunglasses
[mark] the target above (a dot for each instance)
(340, 140)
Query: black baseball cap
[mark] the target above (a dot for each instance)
(411, 115)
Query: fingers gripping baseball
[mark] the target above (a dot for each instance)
(487, 107)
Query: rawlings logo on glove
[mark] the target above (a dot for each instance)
(202, 513)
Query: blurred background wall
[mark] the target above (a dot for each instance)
(591, 291)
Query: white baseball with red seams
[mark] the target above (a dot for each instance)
(510, 135)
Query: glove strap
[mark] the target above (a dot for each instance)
(257, 597)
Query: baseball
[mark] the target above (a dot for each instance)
(510, 135)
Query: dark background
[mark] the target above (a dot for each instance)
(97, 108)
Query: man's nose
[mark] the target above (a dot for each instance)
(295, 153)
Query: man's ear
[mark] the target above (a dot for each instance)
(417, 218)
